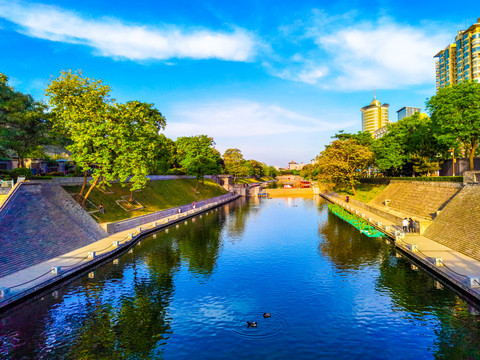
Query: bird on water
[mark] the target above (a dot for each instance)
(266, 315)
(251, 324)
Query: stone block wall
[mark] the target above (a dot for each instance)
(457, 225)
(420, 198)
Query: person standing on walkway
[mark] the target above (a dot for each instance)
(194, 205)
(347, 199)
(410, 225)
(405, 225)
(101, 208)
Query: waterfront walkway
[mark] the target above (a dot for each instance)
(29, 280)
(461, 270)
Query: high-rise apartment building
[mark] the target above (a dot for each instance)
(374, 116)
(407, 111)
(460, 61)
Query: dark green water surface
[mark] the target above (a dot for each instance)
(187, 293)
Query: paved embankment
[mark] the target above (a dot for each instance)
(40, 222)
(457, 225)
(419, 198)
(460, 270)
(54, 269)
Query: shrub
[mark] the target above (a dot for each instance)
(56, 173)
(15, 173)
(176, 172)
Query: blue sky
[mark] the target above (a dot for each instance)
(275, 79)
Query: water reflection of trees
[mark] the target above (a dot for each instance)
(344, 245)
(240, 211)
(416, 292)
(135, 326)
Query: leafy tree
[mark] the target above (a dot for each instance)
(24, 123)
(136, 127)
(389, 155)
(455, 112)
(82, 109)
(362, 137)
(257, 168)
(165, 155)
(407, 141)
(200, 166)
(343, 162)
(198, 156)
(235, 163)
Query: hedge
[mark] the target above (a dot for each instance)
(386, 181)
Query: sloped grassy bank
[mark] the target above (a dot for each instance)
(156, 196)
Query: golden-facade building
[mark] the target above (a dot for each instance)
(460, 61)
(374, 116)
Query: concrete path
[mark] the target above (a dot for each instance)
(461, 270)
(29, 280)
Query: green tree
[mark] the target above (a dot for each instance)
(200, 166)
(257, 168)
(82, 109)
(344, 162)
(24, 123)
(408, 140)
(362, 137)
(133, 139)
(235, 163)
(198, 156)
(455, 112)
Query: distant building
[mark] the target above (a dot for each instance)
(374, 116)
(407, 111)
(461, 60)
(292, 165)
(380, 132)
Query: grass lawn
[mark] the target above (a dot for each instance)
(251, 180)
(365, 192)
(156, 196)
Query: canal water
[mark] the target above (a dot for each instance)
(187, 293)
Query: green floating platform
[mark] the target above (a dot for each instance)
(360, 224)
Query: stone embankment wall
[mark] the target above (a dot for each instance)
(457, 224)
(40, 222)
(118, 226)
(417, 197)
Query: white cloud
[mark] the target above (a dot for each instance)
(111, 37)
(364, 55)
(243, 119)
(264, 132)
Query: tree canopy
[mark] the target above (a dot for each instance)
(110, 140)
(24, 123)
(455, 113)
(343, 162)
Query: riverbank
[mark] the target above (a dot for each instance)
(156, 196)
(29, 281)
(289, 192)
(462, 272)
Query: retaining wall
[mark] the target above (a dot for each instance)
(118, 226)
(420, 198)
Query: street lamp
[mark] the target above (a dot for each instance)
(453, 161)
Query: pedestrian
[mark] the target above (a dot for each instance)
(179, 210)
(194, 205)
(405, 225)
(101, 208)
(412, 225)
(348, 199)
